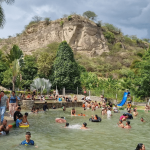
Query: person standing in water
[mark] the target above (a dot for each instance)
(84, 126)
(135, 113)
(73, 112)
(120, 124)
(127, 125)
(13, 102)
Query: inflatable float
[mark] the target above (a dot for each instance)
(93, 120)
(24, 126)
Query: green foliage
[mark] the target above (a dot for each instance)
(47, 21)
(90, 15)
(109, 36)
(142, 78)
(29, 70)
(69, 18)
(7, 78)
(146, 40)
(15, 53)
(61, 23)
(65, 69)
(112, 28)
(45, 63)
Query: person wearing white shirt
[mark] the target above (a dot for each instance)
(109, 112)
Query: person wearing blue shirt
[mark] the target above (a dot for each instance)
(27, 141)
(19, 120)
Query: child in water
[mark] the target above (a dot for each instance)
(127, 125)
(120, 124)
(73, 112)
(84, 126)
(24, 120)
(28, 141)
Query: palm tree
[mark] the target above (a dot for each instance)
(15, 71)
(2, 16)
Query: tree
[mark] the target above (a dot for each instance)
(90, 15)
(29, 70)
(2, 16)
(36, 19)
(142, 78)
(15, 71)
(44, 63)
(7, 78)
(3, 66)
(15, 53)
(65, 69)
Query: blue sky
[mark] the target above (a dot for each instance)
(132, 16)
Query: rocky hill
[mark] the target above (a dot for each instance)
(82, 35)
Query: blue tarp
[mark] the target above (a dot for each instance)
(124, 99)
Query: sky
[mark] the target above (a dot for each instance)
(131, 16)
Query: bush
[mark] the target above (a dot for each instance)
(109, 36)
(61, 23)
(112, 28)
(47, 21)
(69, 18)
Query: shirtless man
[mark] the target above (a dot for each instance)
(84, 126)
(75, 98)
(135, 113)
(4, 129)
(146, 108)
(89, 105)
(24, 120)
(127, 125)
(93, 107)
(60, 120)
(120, 124)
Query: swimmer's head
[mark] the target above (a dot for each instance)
(73, 109)
(67, 124)
(134, 110)
(128, 123)
(84, 124)
(96, 116)
(120, 121)
(81, 114)
(124, 114)
(140, 146)
(19, 116)
(26, 114)
(28, 136)
(62, 117)
(45, 102)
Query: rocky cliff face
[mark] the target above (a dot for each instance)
(82, 35)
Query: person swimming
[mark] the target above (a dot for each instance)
(60, 120)
(140, 146)
(127, 125)
(135, 113)
(120, 124)
(66, 125)
(25, 120)
(84, 126)
(73, 112)
(142, 120)
(124, 117)
(95, 117)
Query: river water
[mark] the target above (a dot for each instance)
(105, 135)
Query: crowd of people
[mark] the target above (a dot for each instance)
(21, 120)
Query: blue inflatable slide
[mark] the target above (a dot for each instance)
(124, 99)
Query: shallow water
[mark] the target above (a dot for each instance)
(105, 135)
